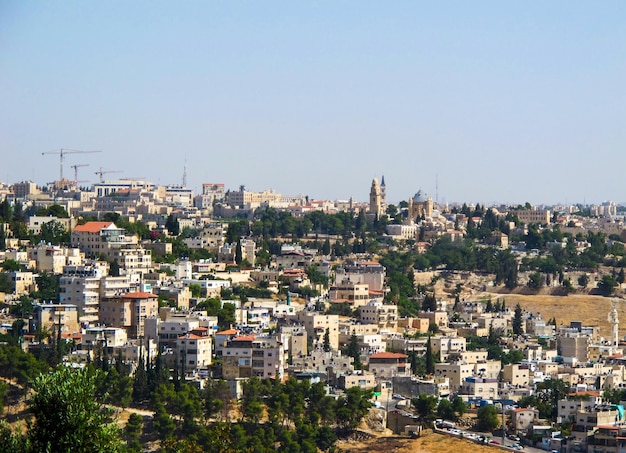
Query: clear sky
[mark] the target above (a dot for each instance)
(504, 101)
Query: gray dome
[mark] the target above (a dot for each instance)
(420, 197)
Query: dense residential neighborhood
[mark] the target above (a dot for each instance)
(397, 317)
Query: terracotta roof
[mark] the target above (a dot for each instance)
(139, 295)
(228, 332)
(73, 335)
(244, 338)
(388, 355)
(191, 336)
(92, 227)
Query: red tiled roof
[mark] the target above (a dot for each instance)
(244, 338)
(92, 227)
(73, 335)
(139, 295)
(228, 332)
(388, 355)
(191, 336)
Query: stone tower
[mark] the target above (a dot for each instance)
(375, 199)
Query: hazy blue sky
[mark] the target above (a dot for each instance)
(505, 101)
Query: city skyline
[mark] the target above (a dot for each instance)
(484, 102)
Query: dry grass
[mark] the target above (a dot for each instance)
(591, 310)
(428, 443)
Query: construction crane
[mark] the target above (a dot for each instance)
(62, 152)
(102, 172)
(76, 167)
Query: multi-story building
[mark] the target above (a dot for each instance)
(195, 349)
(316, 325)
(211, 193)
(251, 355)
(35, 223)
(446, 346)
(528, 216)
(80, 285)
(25, 189)
(516, 374)
(370, 273)
(385, 316)
(129, 311)
(356, 294)
(95, 238)
(389, 364)
(252, 200)
(51, 316)
(52, 258)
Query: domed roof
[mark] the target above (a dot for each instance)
(420, 197)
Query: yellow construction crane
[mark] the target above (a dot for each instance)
(102, 172)
(62, 152)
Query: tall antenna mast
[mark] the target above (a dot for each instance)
(185, 173)
(437, 188)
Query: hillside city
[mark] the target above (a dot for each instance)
(139, 317)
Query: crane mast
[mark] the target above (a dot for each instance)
(62, 152)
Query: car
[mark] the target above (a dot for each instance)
(494, 442)
(395, 396)
(513, 437)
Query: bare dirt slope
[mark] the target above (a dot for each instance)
(429, 443)
(591, 310)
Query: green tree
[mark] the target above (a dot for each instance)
(133, 432)
(68, 417)
(425, 406)
(238, 253)
(54, 232)
(607, 285)
(487, 418)
(352, 407)
(517, 320)
(353, 350)
(327, 340)
(430, 357)
(445, 409)
(172, 225)
(535, 280)
(583, 280)
(459, 406)
(47, 287)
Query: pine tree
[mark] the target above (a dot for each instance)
(489, 307)
(517, 320)
(141, 391)
(430, 358)
(327, 340)
(238, 253)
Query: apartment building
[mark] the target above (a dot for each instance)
(52, 258)
(129, 311)
(195, 349)
(356, 294)
(528, 216)
(80, 285)
(94, 238)
(370, 273)
(447, 345)
(251, 355)
(385, 316)
(316, 325)
(51, 316)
